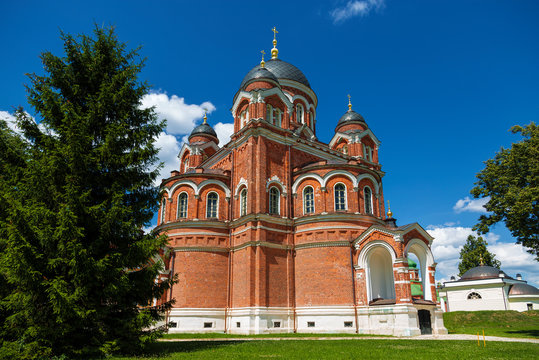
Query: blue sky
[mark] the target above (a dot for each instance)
(439, 83)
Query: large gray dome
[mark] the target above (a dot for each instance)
(280, 69)
(482, 272)
(203, 129)
(350, 116)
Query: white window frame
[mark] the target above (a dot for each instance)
(305, 212)
(277, 117)
(335, 197)
(269, 113)
(278, 204)
(300, 116)
(178, 210)
(365, 201)
(163, 210)
(216, 207)
(243, 202)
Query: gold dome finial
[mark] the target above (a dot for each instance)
(481, 260)
(349, 103)
(262, 63)
(389, 213)
(274, 51)
(205, 116)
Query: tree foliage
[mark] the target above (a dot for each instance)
(511, 182)
(475, 253)
(78, 273)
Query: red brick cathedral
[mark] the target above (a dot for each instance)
(279, 232)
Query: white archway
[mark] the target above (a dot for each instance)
(424, 255)
(377, 258)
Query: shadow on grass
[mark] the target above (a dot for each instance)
(531, 332)
(166, 348)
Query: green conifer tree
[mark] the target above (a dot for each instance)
(475, 253)
(79, 272)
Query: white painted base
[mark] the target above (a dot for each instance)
(397, 320)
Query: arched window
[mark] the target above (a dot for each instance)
(299, 114)
(244, 116)
(308, 200)
(186, 164)
(182, 205)
(367, 193)
(212, 204)
(243, 202)
(311, 119)
(367, 153)
(277, 117)
(274, 207)
(269, 114)
(163, 207)
(340, 197)
(474, 296)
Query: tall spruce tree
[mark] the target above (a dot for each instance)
(78, 271)
(475, 253)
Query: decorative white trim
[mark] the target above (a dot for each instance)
(241, 183)
(300, 179)
(275, 180)
(374, 182)
(214, 182)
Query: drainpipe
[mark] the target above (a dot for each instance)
(172, 260)
(230, 217)
(354, 287)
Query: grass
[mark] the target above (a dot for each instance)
(495, 323)
(236, 336)
(338, 349)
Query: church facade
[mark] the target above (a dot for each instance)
(276, 231)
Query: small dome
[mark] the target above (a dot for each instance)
(411, 263)
(350, 116)
(280, 70)
(203, 129)
(523, 289)
(482, 272)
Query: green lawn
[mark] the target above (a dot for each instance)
(495, 323)
(339, 349)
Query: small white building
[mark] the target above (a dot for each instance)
(488, 288)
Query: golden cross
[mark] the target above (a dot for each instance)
(349, 98)
(274, 32)
(349, 102)
(263, 53)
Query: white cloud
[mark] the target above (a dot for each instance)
(10, 120)
(355, 8)
(181, 117)
(471, 205)
(224, 130)
(516, 260)
(169, 148)
(449, 240)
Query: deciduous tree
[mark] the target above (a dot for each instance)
(511, 182)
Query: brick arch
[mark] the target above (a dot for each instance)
(379, 273)
(344, 173)
(426, 260)
(303, 177)
(218, 183)
(179, 183)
